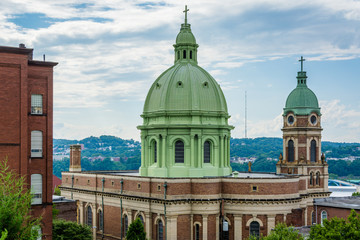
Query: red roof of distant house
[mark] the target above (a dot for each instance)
(56, 182)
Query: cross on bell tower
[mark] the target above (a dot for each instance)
(302, 60)
(185, 11)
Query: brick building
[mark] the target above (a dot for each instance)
(26, 124)
(185, 187)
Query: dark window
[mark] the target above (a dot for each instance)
(311, 178)
(101, 221)
(190, 54)
(141, 219)
(313, 151)
(155, 151)
(125, 227)
(207, 152)
(255, 229)
(197, 232)
(160, 230)
(317, 179)
(313, 218)
(291, 151)
(89, 216)
(179, 152)
(184, 54)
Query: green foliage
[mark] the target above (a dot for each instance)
(355, 194)
(55, 212)
(4, 235)
(338, 229)
(282, 232)
(66, 230)
(15, 213)
(136, 231)
(57, 191)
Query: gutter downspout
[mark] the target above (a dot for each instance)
(121, 210)
(165, 189)
(102, 205)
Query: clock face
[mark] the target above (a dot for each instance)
(313, 119)
(291, 119)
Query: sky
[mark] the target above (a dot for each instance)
(110, 52)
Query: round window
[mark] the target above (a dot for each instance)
(291, 119)
(313, 119)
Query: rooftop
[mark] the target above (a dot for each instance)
(339, 202)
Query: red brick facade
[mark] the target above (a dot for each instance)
(20, 77)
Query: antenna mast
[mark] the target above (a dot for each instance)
(245, 115)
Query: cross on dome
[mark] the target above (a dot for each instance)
(185, 11)
(302, 61)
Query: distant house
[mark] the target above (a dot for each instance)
(56, 182)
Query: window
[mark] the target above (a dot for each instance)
(197, 231)
(36, 144)
(154, 145)
(190, 54)
(313, 218)
(179, 152)
(313, 151)
(125, 225)
(184, 54)
(255, 229)
(89, 216)
(36, 104)
(291, 151)
(317, 178)
(141, 219)
(160, 230)
(101, 221)
(311, 178)
(207, 152)
(38, 229)
(323, 216)
(36, 188)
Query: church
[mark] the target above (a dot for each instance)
(185, 187)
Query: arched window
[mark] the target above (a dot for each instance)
(255, 229)
(197, 231)
(160, 230)
(323, 216)
(179, 152)
(184, 54)
(207, 152)
(141, 219)
(291, 151)
(125, 225)
(154, 147)
(101, 220)
(311, 178)
(36, 143)
(313, 151)
(190, 54)
(89, 216)
(317, 178)
(36, 188)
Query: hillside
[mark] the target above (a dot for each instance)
(113, 153)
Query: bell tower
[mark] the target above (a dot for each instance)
(302, 136)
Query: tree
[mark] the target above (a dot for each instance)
(15, 207)
(136, 231)
(338, 228)
(282, 232)
(67, 230)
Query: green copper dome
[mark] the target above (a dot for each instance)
(302, 101)
(185, 87)
(185, 130)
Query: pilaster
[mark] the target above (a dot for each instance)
(238, 227)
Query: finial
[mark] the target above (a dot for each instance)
(302, 61)
(185, 11)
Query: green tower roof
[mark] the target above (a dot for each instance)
(185, 87)
(302, 101)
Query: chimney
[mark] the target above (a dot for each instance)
(21, 45)
(75, 158)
